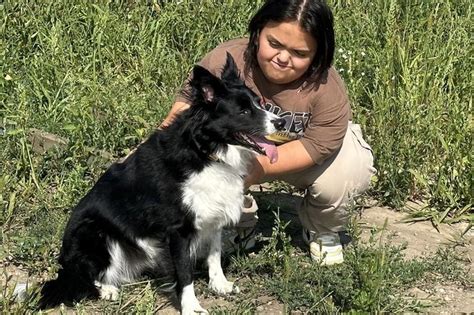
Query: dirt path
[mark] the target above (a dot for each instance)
(421, 239)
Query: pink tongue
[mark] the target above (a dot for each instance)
(270, 148)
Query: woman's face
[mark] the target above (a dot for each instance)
(285, 51)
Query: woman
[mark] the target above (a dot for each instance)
(287, 61)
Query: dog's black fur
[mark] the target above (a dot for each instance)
(141, 198)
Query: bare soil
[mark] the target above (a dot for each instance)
(422, 239)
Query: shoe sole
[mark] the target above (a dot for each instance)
(328, 258)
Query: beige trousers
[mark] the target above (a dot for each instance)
(331, 186)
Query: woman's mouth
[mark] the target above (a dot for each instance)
(280, 66)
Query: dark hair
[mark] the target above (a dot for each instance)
(314, 16)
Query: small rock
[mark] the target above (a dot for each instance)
(42, 141)
(418, 293)
(261, 187)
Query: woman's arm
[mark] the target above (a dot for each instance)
(177, 108)
(292, 157)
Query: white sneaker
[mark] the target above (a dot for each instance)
(324, 248)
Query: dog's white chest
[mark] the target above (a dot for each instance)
(215, 195)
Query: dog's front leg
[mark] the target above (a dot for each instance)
(184, 268)
(217, 280)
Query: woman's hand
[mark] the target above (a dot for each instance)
(256, 172)
(176, 109)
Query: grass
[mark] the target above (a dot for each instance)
(102, 74)
(408, 67)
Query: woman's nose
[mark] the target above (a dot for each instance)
(283, 57)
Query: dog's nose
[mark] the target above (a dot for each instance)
(279, 123)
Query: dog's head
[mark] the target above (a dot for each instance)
(230, 113)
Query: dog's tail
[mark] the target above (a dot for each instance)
(68, 288)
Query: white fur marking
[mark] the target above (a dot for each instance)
(217, 280)
(215, 194)
(124, 269)
(189, 302)
(269, 126)
(108, 292)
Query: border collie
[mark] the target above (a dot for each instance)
(169, 200)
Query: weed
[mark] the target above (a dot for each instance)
(404, 65)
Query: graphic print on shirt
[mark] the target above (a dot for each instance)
(295, 123)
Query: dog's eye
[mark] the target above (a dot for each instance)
(245, 112)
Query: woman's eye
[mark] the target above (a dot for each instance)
(300, 54)
(274, 44)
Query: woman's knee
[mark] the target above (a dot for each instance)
(327, 192)
(340, 183)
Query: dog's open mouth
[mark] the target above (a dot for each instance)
(260, 145)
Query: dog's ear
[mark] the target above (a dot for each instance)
(230, 73)
(205, 85)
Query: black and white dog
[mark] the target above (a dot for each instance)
(169, 200)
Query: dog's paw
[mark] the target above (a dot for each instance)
(108, 292)
(235, 289)
(192, 307)
(222, 286)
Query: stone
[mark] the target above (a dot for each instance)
(42, 141)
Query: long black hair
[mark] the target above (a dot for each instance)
(314, 16)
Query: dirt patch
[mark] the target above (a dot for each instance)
(421, 238)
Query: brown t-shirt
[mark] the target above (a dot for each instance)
(316, 113)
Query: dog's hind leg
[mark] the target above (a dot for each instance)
(83, 257)
(217, 280)
(127, 262)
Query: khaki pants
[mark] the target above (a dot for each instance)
(330, 186)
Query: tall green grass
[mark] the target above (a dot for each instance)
(408, 67)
